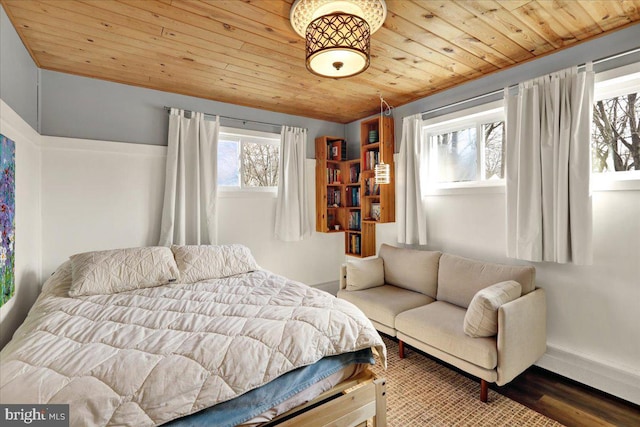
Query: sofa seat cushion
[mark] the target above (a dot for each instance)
(383, 303)
(459, 279)
(411, 269)
(440, 325)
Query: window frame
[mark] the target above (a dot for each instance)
(242, 136)
(600, 181)
(608, 84)
(463, 119)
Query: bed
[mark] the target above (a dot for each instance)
(151, 336)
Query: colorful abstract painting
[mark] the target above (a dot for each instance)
(7, 217)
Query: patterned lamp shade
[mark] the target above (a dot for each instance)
(338, 45)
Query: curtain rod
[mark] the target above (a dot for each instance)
(497, 91)
(232, 118)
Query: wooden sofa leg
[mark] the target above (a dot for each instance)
(400, 349)
(484, 390)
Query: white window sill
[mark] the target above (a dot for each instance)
(615, 181)
(599, 183)
(247, 194)
(453, 189)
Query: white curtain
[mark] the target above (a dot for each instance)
(549, 215)
(410, 180)
(189, 210)
(292, 218)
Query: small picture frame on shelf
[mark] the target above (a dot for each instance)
(334, 152)
(375, 211)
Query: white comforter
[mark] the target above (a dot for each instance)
(145, 357)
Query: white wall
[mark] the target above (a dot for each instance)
(249, 220)
(28, 225)
(103, 195)
(98, 195)
(593, 318)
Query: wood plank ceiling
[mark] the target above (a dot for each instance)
(245, 51)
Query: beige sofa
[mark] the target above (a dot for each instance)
(424, 298)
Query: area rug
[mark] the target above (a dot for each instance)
(422, 392)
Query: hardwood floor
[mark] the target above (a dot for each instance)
(569, 402)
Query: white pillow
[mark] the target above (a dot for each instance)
(365, 274)
(481, 319)
(118, 270)
(201, 262)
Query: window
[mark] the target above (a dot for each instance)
(466, 147)
(615, 137)
(248, 160)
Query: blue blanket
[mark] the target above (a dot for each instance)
(243, 408)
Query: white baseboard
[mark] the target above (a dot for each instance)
(615, 381)
(330, 287)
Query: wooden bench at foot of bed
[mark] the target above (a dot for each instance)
(349, 404)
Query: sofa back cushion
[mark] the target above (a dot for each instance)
(364, 274)
(459, 279)
(411, 269)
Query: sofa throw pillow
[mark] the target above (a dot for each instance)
(119, 270)
(481, 319)
(202, 262)
(365, 274)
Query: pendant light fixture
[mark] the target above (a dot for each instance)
(382, 171)
(337, 33)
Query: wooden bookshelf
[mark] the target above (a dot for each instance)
(345, 189)
(374, 148)
(331, 174)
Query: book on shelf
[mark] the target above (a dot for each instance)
(371, 188)
(353, 196)
(354, 244)
(354, 173)
(333, 197)
(334, 151)
(372, 158)
(354, 220)
(333, 176)
(337, 149)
